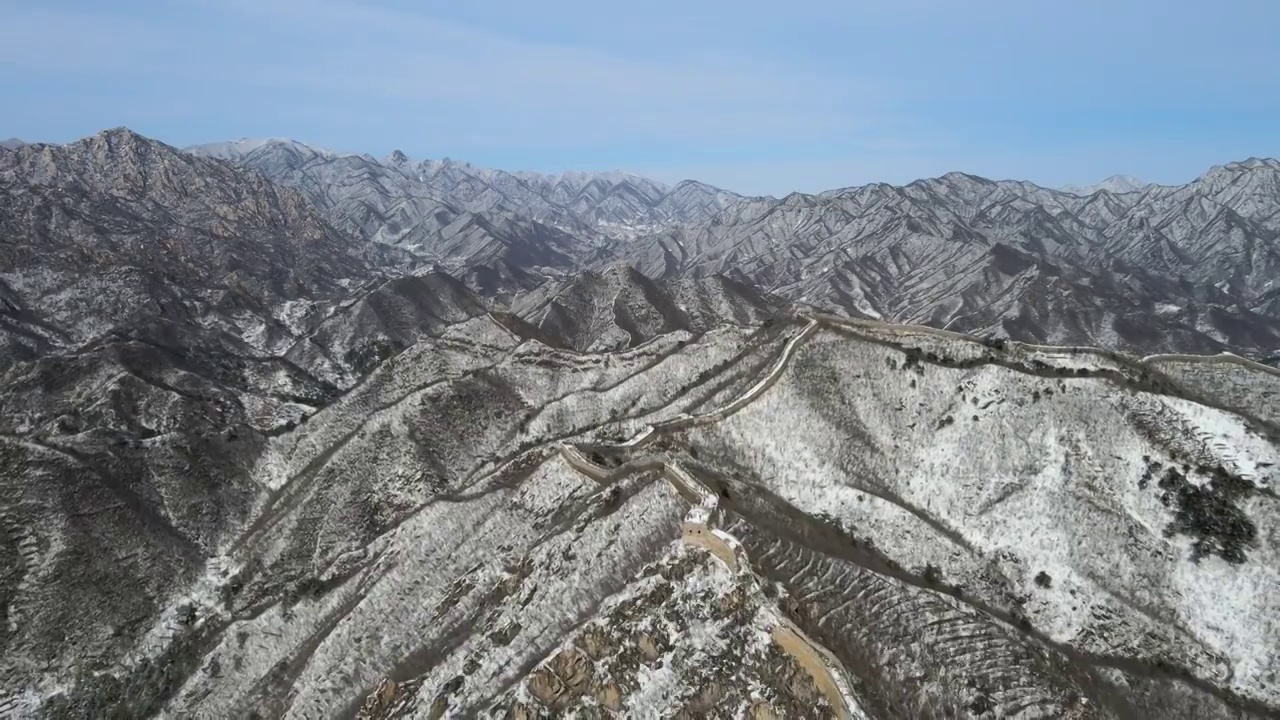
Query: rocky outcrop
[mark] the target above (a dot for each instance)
(381, 701)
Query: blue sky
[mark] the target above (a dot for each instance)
(753, 95)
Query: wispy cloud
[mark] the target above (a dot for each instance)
(732, 91)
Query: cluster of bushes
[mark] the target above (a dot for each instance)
(914, 356)
(1210, 513)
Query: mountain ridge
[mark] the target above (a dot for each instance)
(1116, 257)
(359, 444)
(1166, 246)
(1115, 184)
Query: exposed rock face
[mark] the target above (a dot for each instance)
(380, 702)
(687, 642)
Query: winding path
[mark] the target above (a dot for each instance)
(700, 529)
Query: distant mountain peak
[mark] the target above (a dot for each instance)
(1253, 163)
(121, 141)
(237, 149)
(118, 135)
(687, 185)
(609, 176)
(956, 176)
(574, 179)
(11, 143)
(1115, 184)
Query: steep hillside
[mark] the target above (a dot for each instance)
(468, 228)
(1082, 561)
(899, 522)
(620, 308)
(360, 333)
(117, 227)
(1160, 269)
(1126, 265)
(372, 192)
(363, 447)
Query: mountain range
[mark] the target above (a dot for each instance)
(1149, 269)
(293, 433)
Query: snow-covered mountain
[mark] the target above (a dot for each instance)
(605, 203)
(233, 149)
(1163, 269)
(620, 308)
(1127, 265)
(1115, 184)
(267, 450)
(752, 519)
(117, 227)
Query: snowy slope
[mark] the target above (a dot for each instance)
(1121, 264)
(952, 527)
(253, 464)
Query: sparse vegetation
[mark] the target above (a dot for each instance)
(1210, 513)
